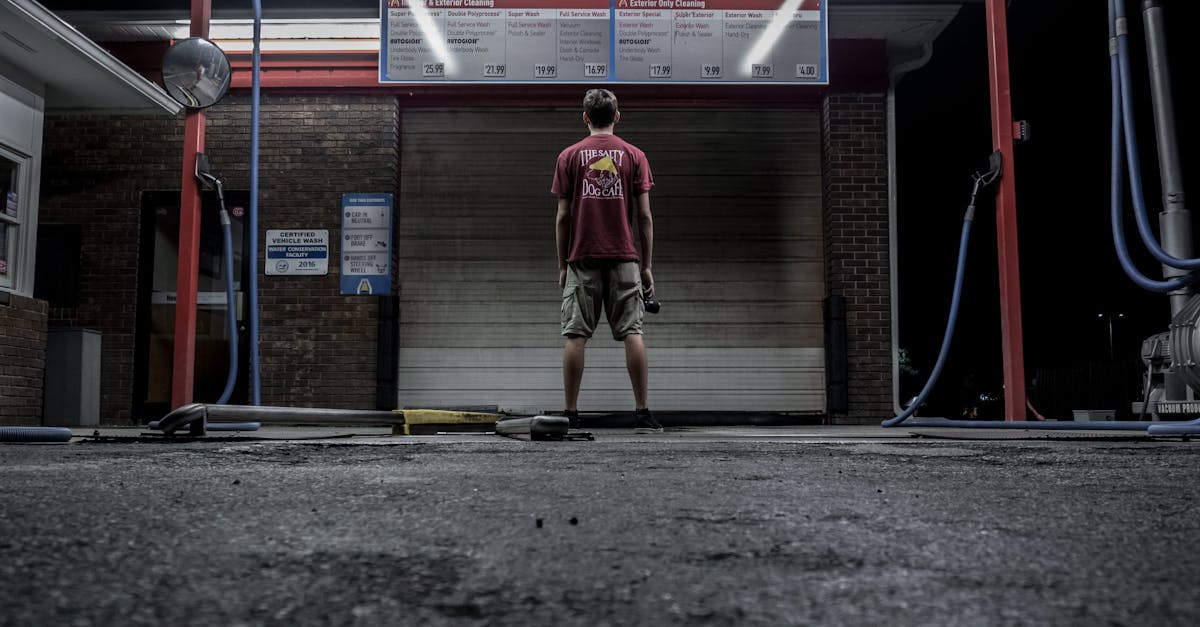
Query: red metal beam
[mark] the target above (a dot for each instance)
(184, 363)
(1011, 336)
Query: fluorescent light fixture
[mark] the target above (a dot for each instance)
(762, 47)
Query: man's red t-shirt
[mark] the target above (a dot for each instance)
(601, 177)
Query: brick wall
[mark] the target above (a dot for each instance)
(856, 245)
(94, 169)
(23, 353)
(317, 348)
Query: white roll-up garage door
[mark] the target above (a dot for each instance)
(738, 262)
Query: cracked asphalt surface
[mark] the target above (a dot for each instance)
(646, 530)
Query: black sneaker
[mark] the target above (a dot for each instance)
(644, 422)
(572, 416)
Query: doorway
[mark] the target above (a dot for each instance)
(156, 294)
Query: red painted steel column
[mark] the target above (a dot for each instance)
(183, 373)
(1011, 336)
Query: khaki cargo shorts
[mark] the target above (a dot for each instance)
(615, 285)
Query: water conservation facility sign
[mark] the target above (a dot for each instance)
(298, 252)
(631, 41)
(366, 244)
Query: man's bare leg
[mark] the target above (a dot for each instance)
(635, 362)
(573, 352)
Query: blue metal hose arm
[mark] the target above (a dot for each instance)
(949, 335)
(255, 386)
(981, 180)
(1125, 88)
(1118, 189)
(230, 308)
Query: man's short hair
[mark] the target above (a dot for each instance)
(600, 105)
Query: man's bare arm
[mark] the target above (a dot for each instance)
(562, 238)
(646, 235)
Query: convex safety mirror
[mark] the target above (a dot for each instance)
(196, 72)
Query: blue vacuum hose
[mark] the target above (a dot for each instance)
(964, 239)
(946, 339)
(35, 434)
(1123, 91)
(230, 309)
(1118, 187)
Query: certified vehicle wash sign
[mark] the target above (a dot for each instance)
(298, 252)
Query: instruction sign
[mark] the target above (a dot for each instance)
(654, 41)
(298, 252)
(366, 244)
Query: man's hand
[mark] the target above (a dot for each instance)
(562, 279)
(647, 283)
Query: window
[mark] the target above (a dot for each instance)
(12, 209)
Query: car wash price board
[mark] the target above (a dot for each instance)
(590, 41)
(366, 244)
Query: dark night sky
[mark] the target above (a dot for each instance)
(1069, 272)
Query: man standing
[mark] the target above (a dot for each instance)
(603, 184)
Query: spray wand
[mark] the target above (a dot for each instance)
(211, 181)
(979, 180)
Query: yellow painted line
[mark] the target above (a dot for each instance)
(424, 419)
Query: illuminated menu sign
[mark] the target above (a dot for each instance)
(657, 41)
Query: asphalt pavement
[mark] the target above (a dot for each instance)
(699, 526)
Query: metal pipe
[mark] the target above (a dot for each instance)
(220, 426)
(897, 72)
(198, 414)
(302, 415)
(536, 427)
(1175, 222)
(1125, 73)
(1117, 187)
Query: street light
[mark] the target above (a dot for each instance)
(1109, 317)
